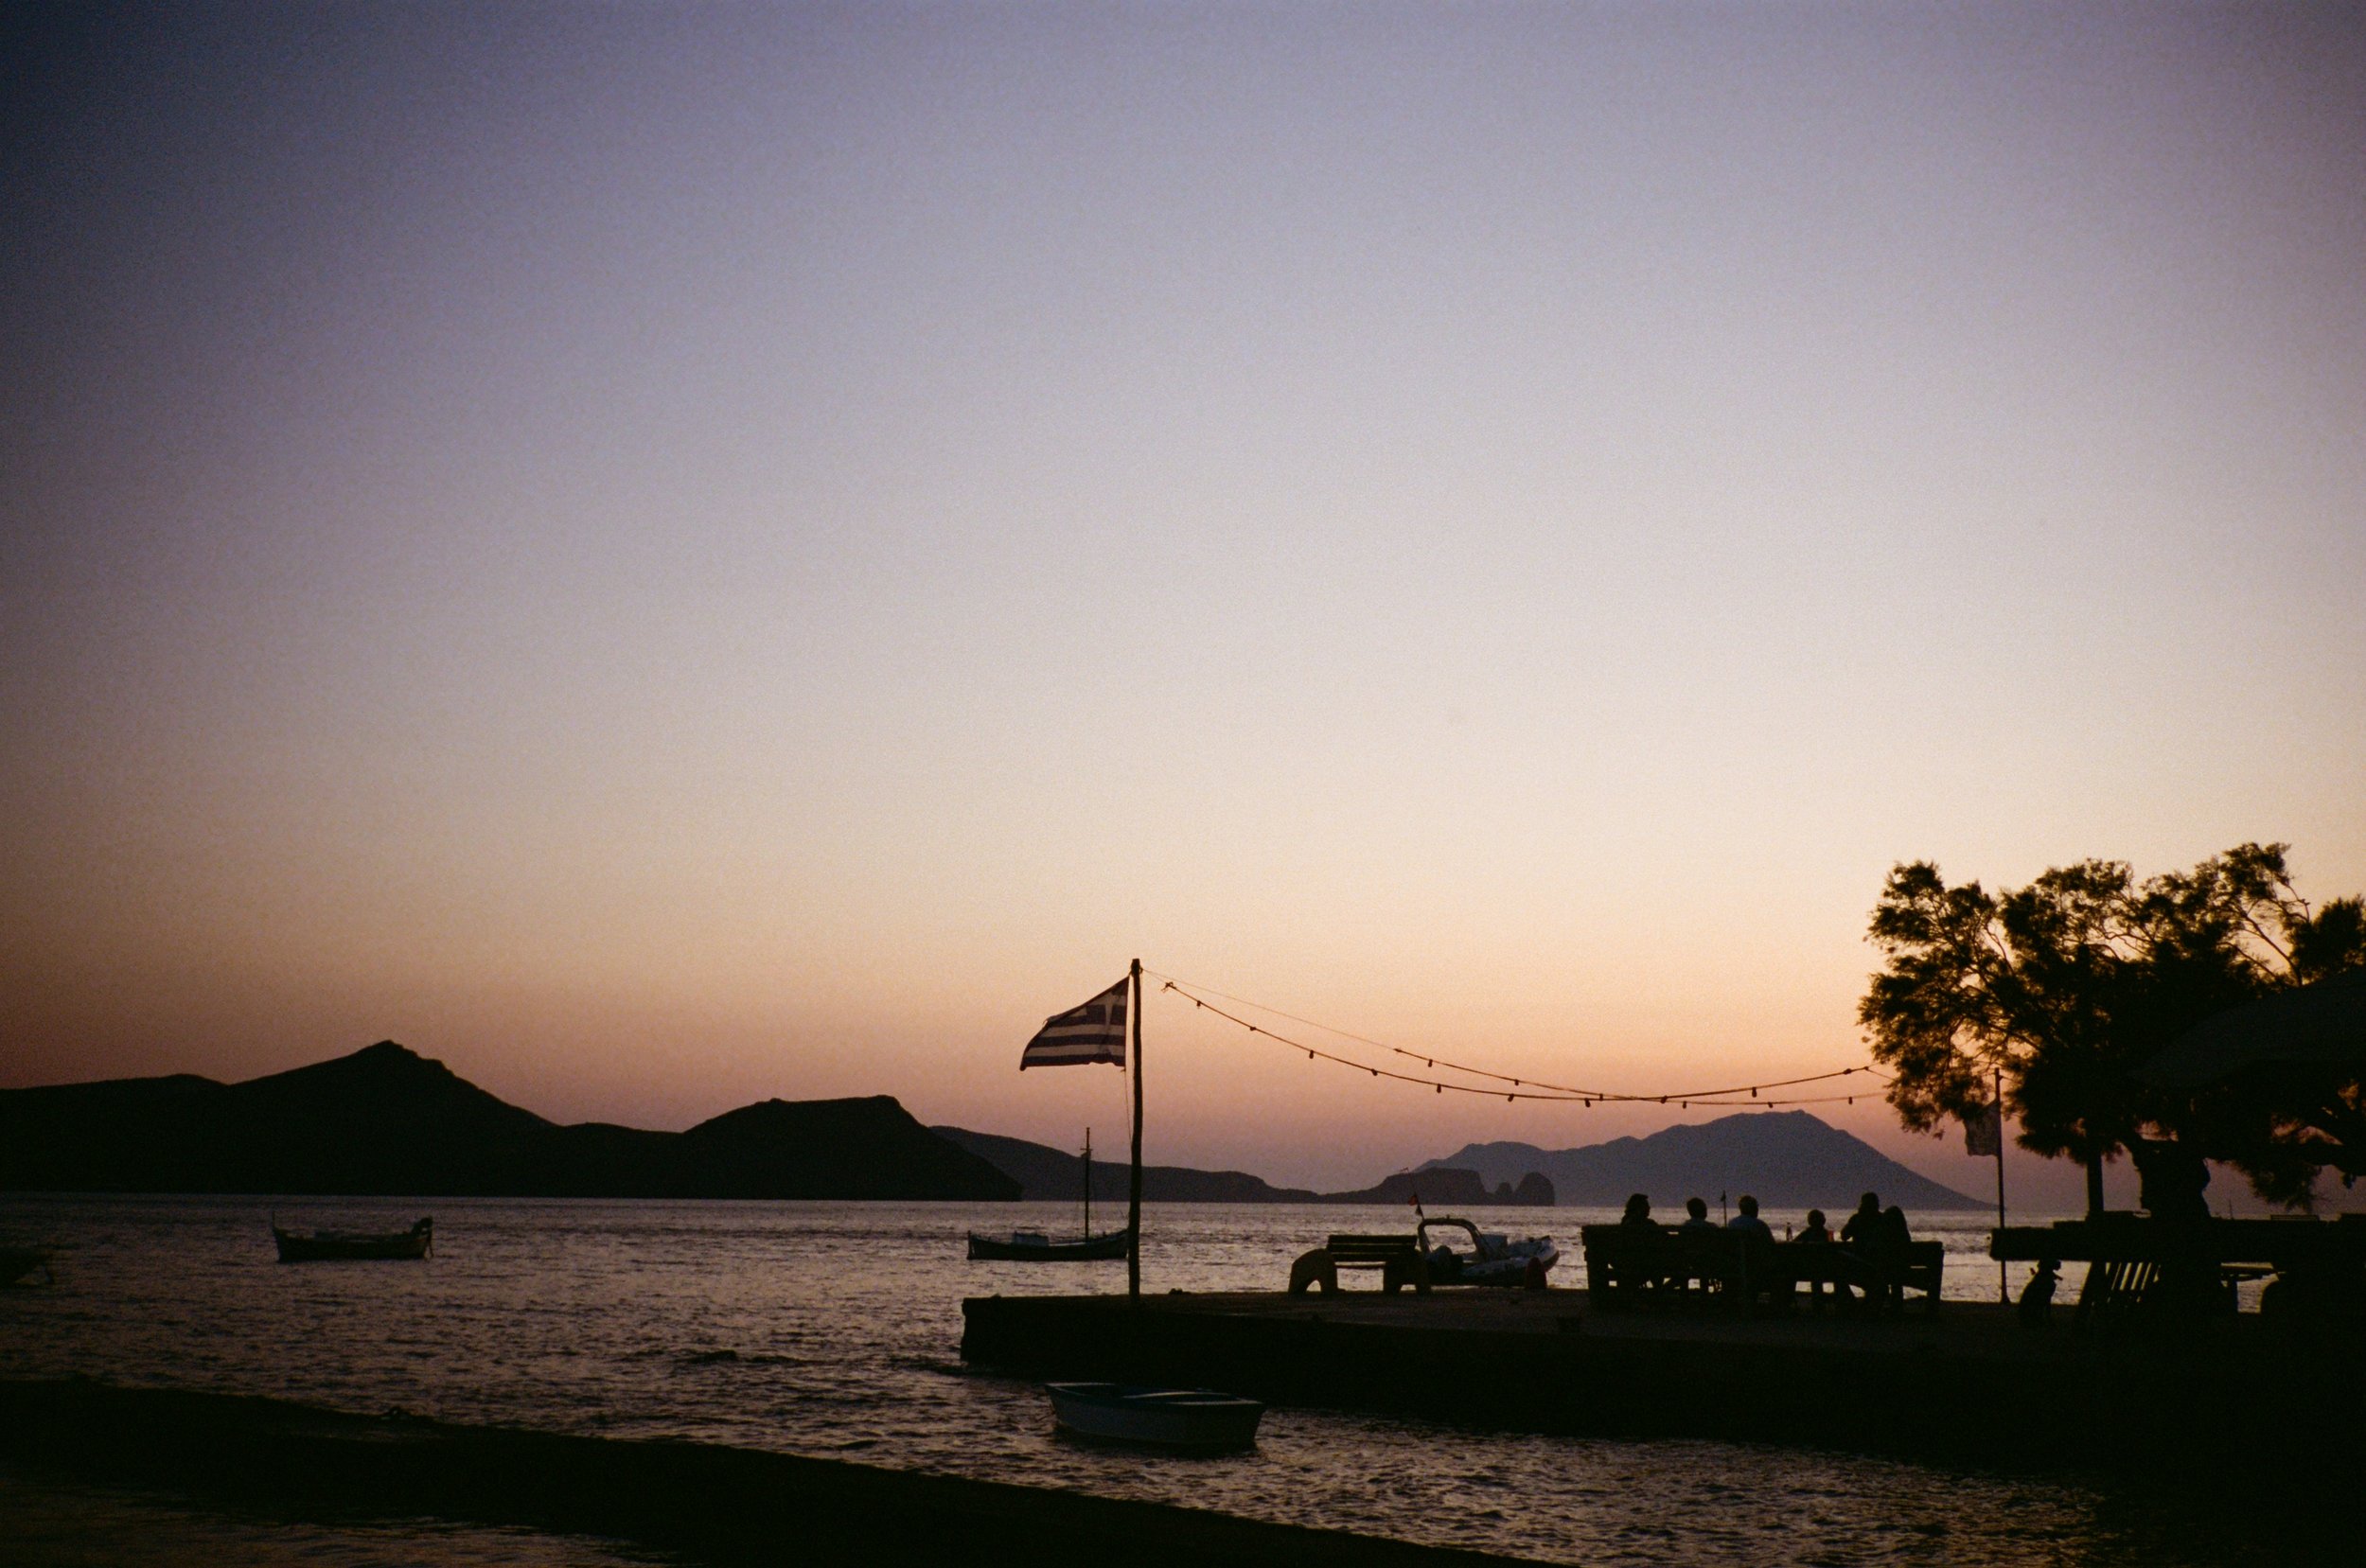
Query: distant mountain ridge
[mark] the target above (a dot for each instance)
(1787, 1159)
(1047, 1174)
(386, 1121)
(1044, 1172)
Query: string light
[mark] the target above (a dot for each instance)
(1522, 1088)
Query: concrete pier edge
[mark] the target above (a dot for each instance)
(1962, 1387)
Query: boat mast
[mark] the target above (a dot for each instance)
(1133, 1184)
(1088, 1184)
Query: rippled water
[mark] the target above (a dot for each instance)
(834, 1329)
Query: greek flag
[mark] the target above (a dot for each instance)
(1094, 1032)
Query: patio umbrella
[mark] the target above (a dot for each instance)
(2325, 1021)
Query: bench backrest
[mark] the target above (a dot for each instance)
(1634, 1239)
(1350, 1249)
(1614, 1242)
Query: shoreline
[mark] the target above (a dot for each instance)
(708, 1502)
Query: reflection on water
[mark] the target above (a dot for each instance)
(833, 1330)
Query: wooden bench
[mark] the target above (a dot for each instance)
(1921, 1266)
(1627, 1266)
(2143, 1269)
(1398, 1257)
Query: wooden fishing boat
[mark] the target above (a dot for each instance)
(1198, 1419)
(1034, 1246)
(323, 1246)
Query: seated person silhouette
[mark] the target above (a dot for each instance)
(1696, 1235)
(2035, 1306)
(1640, 1271)
(1891, 1240)
(1860, 1236)
(1817, 1234)
(1747, 1221)
(1754, 1243)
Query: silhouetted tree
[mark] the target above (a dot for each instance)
(2069, 984)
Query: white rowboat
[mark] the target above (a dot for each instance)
(1169, 1418)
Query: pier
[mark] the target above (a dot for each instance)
(1964, 1384)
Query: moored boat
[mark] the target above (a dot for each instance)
(1494, 1258)
(1202, 1418)
(1034, 1246)
(323, 1246)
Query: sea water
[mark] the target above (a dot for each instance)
(834, 1329)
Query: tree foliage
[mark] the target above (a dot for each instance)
(2068, 985)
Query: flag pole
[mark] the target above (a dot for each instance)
(2003, 1293)
(1134, 1186)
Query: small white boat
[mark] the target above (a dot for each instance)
(1169, 1418)
(1494, 1258)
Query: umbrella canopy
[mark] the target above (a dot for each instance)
(2325, 1021)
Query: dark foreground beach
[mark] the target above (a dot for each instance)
(52, 1520)
(702, 1503)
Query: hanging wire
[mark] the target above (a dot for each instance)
(1314, 1054)
(1528, 1089)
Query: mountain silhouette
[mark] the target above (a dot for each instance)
(390, 1121)
(1434, 1186)
(1788, 1159)
(1045, 1172)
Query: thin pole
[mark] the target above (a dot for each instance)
(1088, 1184)
(2003, 1293)
(1134, 1186)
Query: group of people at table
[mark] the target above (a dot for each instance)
(1873, 1235)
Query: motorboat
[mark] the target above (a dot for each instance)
(322, 1246)
(1199, 1419)
(1494, 1259)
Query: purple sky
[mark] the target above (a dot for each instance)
(671, 555)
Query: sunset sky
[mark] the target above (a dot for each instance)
(668, 556)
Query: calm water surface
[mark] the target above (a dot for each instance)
(833, 1330)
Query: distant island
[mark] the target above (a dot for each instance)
(1045, 1172)
(1787, 1159)
(386, 1121)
